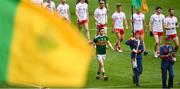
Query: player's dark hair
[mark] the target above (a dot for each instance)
(158, 8)
(86, 1)
(118, 5)
(170, 9)
(102, 0)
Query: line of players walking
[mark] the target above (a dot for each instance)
(157, 23)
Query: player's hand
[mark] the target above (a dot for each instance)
(96, 21)
(126, 27)
(112, 30)
(112, 48)
(80, 21)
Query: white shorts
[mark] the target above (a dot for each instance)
(101, 58)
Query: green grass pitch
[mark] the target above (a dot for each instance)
(118, 66)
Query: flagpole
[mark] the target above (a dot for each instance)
(132, 18)
(133, 60)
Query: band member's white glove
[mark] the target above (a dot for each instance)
(135, 51)
(174, 59)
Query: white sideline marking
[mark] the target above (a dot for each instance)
(131, 85)
(137, 87)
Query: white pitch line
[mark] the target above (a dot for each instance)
(131, 85)
(124, 86)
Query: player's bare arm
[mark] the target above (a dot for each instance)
(150, 25)
(131, 24)
(69, 15)
(144, 23)
(113, 30)
(110, 45)
(177, 25)
(77, 14)
(87, 14)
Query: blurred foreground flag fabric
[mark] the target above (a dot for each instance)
(37, 49)
(140, 5)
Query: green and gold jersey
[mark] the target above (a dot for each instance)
(101, 42)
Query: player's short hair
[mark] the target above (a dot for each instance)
(169, 10)
(118, 5)
(158, 8)
(101, 2)
(86, 1)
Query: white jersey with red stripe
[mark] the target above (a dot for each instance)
(170, 23)
(157, 22)
(37, 2)
(101, 15)
(63, 10)
(138, 21)
(118, 19)
(50, 6)
(81, 9)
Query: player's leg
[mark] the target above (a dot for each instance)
(117, 45)
(103, 69)
(160, 41)
(142, 38)
(100, 61)
(176, 41)
(97, 29)
(79, 25)
(156, 38)
(121, 36)
(105, 30)
(121, 39)
(86, 25)
(171, 76)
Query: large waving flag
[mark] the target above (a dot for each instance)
(141, 5)
(37, 49)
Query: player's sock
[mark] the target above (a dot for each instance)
(98, 73)
(103, 74)
(105, 77)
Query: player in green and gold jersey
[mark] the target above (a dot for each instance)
(101, 41)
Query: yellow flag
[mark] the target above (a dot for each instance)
(144, 7)
(140, 5)
(40, 49)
